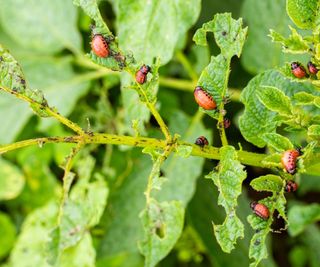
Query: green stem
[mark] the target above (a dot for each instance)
(152, 108)
(209, 152)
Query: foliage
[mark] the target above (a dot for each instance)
(105, 171)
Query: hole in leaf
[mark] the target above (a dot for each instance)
(160, 230)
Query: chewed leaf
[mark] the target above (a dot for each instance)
(11, 75)
(270, 183)
(162, 223)
(229, 180)
(293, 44)
(213, 77)
(303, 13)
(314, 131)
(277, 141)
(258, 250)
(228, 32)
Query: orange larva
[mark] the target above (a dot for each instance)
(260, 210)
(291, 186)
(100, 46)
(298, 70)
(203, 99)
(289, 160)
(141, 75)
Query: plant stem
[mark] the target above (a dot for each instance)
(209, 152)
(152, 108)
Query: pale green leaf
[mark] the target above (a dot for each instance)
(45, 26)
(273, 160)
(303, 12)
(270, 183)
(275, 100)
(12, 180)
(229, 180)
(300, 216)
(278, 142)
(7, 233)
(162, 224)
(314, 131)
(293, 44)
(151, 29)
(257, 119)
(304, 98)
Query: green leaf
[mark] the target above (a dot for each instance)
(8, 234)
(201, 219)
(303, 13)
(228, 33)
(277, 142)
(29, 249)
(259, 53)
(270, 183)
(293, 44)
(273, 160)
(258, 249)
(257, 119)
(304, 98)
(152, 30)
(162, 224)
(229, 180)
(12, 180)
(81, 211)
(314, 131)
(300, 216)
(275, 100)
(54, 21)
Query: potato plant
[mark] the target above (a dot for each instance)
(163, 133)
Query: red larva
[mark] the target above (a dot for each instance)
(312, 68)
(141, 75)
(298, 70)
(203, 99)
(226, 123)
(201, 141)
(100, 46)
(260, 210)
(289, 160)
(291, 186)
